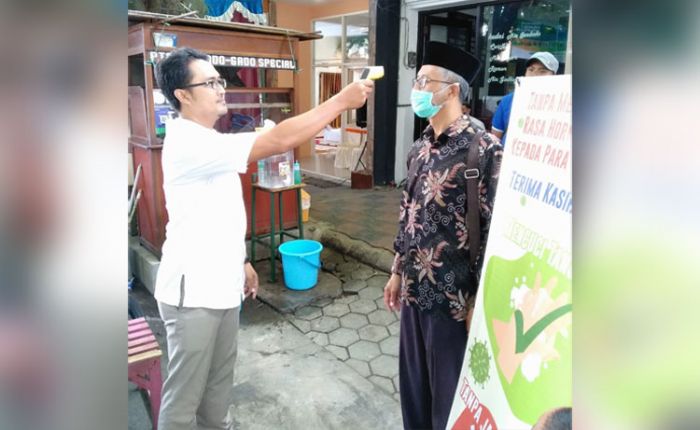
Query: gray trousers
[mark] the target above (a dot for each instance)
(202, 347)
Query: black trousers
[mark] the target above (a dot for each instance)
(431, 352)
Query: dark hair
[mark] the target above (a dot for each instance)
(173, 72)
(558, 419)
(467, 105)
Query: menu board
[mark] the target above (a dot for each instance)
(515, 32)
(499, 58)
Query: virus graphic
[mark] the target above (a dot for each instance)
(479, 362)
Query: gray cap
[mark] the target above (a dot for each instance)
(547, 59)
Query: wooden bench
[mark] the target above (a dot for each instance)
(144, 363)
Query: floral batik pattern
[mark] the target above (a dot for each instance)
(432, 245)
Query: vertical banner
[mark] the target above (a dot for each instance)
(518, 362)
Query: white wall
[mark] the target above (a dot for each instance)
(328, 49)
(404, 113)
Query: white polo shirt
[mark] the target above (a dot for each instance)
(204, 249)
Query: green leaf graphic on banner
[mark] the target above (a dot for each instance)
(527, 306)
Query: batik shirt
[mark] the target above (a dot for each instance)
(432, 245)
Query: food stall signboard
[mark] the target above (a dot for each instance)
(237, 61)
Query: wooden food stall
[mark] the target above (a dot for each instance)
(252, 58)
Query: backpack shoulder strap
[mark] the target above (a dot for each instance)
(471, 174)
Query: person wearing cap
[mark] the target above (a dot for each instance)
(539, 64)
(432, 282)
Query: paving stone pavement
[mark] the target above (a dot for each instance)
(355, 327)
(285, 380)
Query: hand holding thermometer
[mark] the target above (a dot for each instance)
(373, 73)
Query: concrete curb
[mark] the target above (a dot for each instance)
(144, 265)
(379, 258)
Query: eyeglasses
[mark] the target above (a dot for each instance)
(211, 83)
(422, 81)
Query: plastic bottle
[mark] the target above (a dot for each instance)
(261, 173)
(297, 173)
(305, 205)
(284, 169)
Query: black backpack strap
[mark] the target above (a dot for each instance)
(471, 174)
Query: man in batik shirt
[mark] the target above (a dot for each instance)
(431, 282)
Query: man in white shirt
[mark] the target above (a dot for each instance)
(204, 274)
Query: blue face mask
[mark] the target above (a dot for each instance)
(422, 104)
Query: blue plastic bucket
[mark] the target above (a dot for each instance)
(301, 260)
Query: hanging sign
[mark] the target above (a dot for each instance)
(165, 40)
(518, 361)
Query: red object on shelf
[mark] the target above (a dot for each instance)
(146, 150)
(262, 209)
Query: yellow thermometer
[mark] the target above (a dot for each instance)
(373, 73)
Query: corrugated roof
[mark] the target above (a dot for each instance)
(142, 16)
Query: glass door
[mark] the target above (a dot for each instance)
(510, 34)
(503, 36)
(455, 28)
(338, 60)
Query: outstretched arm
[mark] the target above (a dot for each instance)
(294, 131)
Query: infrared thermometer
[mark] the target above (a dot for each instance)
(373, 73)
